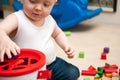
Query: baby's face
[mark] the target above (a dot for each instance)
(37, 9)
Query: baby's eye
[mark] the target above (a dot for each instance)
(46, 4)
(32, 1)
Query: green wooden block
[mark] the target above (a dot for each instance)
(100, 74)
(86, 78)
(67, 33)
(97, 76)
(81, 54)
(100, 71)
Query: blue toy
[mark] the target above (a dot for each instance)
(17, 5)
(68, 13)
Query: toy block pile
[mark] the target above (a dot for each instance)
(107, 72)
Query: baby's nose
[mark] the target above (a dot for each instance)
(38, 7)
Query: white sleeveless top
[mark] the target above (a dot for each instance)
(33, 37)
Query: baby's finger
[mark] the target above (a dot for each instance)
(14, 52)
(70, 51)
(17, 49)
(2, 55)
(8, 53)
(67, 49)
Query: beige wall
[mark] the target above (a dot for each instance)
(108, 17)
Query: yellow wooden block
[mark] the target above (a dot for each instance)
(96, 78)
(108, 75)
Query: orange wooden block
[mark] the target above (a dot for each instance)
(109, 75)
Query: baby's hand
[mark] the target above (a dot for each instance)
(69, 51)
(8, 48)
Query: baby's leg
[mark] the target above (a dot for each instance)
(62, 70)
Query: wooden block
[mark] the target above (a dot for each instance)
(106, 50)
(67, 33)
(107, 65)
(114, 66)
(105, 78)
(81, 54)
(109, 75)
(103, 56)
(115, 78)
(91, 68)
(86, 78)
(110, 70)
(114, 74)
(89, 73)
(97, 76)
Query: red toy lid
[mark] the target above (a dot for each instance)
(28, 61)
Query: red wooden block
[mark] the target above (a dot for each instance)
(89, 73)
(103, 56)
(111, 66)
(114, 66)
(110, 70)
(91, 68)
(44, 74)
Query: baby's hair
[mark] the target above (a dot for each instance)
(56, 1)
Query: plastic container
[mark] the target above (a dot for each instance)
(29, 65)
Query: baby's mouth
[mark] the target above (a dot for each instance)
(36, 14)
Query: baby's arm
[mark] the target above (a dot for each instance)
(62, 41)
(7, 46)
